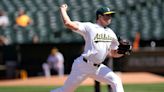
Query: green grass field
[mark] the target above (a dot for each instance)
(128, 88)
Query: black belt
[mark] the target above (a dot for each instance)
(85, 60)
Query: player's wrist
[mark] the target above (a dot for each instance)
(63, 7)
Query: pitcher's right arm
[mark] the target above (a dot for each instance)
(66, 19)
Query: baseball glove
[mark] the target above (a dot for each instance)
(124, 47)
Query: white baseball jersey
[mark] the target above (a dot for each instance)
(99, 41)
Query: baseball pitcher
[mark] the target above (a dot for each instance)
(100, 41)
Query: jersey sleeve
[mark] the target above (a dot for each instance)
(82, 27)
(115, 43)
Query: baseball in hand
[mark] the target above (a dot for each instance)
(64, 6)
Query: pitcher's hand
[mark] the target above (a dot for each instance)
(64, 7)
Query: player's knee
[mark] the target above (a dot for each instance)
(45, 66)
(114, 80)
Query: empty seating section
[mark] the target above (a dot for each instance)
(52, 5)
(8, 6)
(144, 16)
(135, 23)
(123, 25)
(130, 3)
(120, 5)
(84, 4)
(109, 3)
(145, 24)
(30, 5)
(52, 21)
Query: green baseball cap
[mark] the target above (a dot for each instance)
(104, 10)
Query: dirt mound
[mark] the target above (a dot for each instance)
(127, 78)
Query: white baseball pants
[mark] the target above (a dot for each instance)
(81, 70)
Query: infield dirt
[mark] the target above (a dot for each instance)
(127, 78)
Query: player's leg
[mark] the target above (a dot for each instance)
(105, 74)
(97, 86)
(61, 71)
(75, 78)
(46, 70)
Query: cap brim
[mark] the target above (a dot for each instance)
(111, 12)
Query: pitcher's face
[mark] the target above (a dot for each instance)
(106, 19)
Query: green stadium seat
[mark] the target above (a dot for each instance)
(30, 5)
(43, 34)
(145, 24)
(75, 14)
(72, 3)
(8, 32)
(156, 12)
(8, 6)
(135, 23)
(66, 37)
(84, 4)
(18, 4)
(59, 2)
(145, 16)
(95, 3)
(52, 21)
(76, 37)
(30, 34)
(121, 5)
(157, 31)
(40, 18)
(19, 36)
(109, 3)
(130, 3)
(41, 6)
(87, 14)
(51, 5)
(124, 26)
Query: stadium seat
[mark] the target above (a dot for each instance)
(140, 15)
(124, 26)
(9, 33)
(66, 37)
(59, 2)
(8, 6)
(30, 5)
(40, 5)
(72, 3)
(51, 5)
(40, 18)
(87, 14)
(130, 3)
(84, 3)
(19, 36)
(121, 5)
(145, 23)
(19, 4)
(157, 31)
(95, 3)
(43, 34)
(109, 3)
(52, 21)
(135, 23)
(156, 12)
(74, 14)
